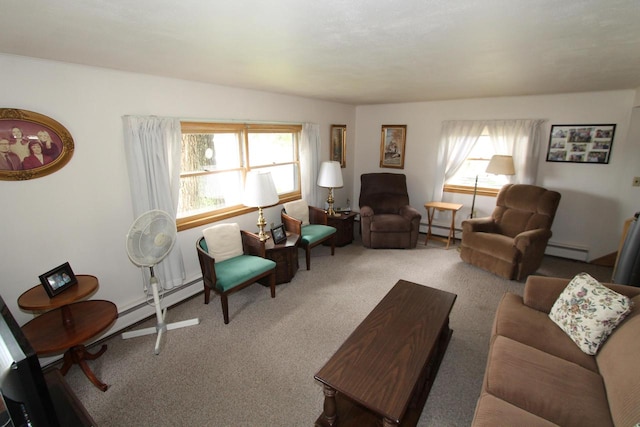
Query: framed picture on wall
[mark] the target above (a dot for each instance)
(339, 144)
(392, 146)
(31, 145)
(580, 143)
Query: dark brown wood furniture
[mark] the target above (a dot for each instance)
(382, 373)
(230, 276)
(68, 324)
(344, 226)
(310, 239)
(285, 255)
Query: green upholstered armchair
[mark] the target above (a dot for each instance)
(511, 242)
(311, 224)
(232, 259)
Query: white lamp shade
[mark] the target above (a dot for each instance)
(259, 190)
(330, 175)
(501, 165)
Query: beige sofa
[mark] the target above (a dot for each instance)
(537, 376)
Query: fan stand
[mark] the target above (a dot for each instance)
(160, 327)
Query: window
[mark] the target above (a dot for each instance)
(216, 158)
(474, 166)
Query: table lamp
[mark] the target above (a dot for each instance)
(498, 165)
(330, 177)
(260, 192)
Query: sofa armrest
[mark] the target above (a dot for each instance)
(410, 213)
(251, 244)
(366, 211)
(532, 240)
(541, 292)
(474, 225)
(317, 216)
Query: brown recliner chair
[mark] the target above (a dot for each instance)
(511, 242)
(386, 218)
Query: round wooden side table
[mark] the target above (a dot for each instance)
(68, 323)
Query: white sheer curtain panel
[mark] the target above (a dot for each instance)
(456, 141)
(520, 139)
(309, 155)
(153, 151)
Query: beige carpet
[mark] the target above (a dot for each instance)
(258, 370)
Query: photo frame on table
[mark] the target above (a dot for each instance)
(339, 144)
(279, 234)
(31, 145)
(58, 280)
(392, 146)
(581, 143)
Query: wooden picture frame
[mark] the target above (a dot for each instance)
(338, 149)
(279, 234)
(31, 145)
(581, 143)
(392, 146)
(58, 280)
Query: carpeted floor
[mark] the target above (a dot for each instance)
(258, 370)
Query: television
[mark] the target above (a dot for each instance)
(24, 396)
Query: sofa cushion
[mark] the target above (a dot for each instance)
(224, 241)
(497, 245)
(234, 271)
(389, 223)
(618, 364)
(491, 412)
(545, 385)
(313, 233)
(589, 311)
(534, 328)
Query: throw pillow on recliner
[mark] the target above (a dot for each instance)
(588, 312)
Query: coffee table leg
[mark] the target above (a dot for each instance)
(329, 413)
(386, 422)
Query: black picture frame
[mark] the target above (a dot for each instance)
(278, 234)
(58, 280)
(581, 143)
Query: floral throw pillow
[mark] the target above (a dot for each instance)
(589, 311)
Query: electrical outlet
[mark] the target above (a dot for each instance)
(636, 181)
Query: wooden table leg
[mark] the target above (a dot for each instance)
(329, 414)
(78, 355)
(452, 229)
(430, 213)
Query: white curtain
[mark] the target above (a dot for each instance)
(521, 139)
(309, 155)
(153, 150)
(518, 138)
(456, 141)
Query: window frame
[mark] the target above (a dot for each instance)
(470, 189)
(243, 130)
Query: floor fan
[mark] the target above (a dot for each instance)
(149, 241)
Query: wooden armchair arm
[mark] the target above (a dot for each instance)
(251, 244)
(317, 216)
(291, 224)
(207, 265)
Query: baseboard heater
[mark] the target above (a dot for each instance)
(166, 294)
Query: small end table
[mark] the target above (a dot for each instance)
(285, 255)
(442, 206)
(343, 223)
(68, 324)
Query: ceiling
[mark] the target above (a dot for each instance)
(350, 51)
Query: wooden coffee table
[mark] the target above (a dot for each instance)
(385, 369)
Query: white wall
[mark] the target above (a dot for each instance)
(595, 198)
(82, 212)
